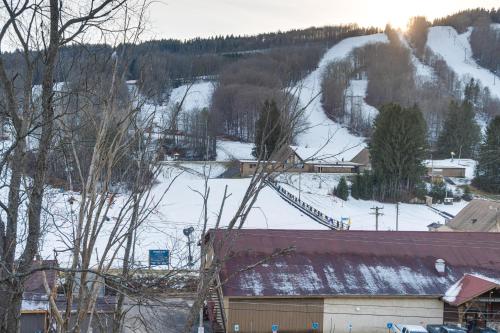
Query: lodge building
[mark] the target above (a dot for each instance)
(353, 281)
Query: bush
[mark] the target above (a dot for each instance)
(438, 191)
(421, 191)
(342, 190)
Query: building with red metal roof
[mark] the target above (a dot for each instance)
(358, 280)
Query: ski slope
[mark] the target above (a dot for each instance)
(423, 72)
(455, 49)
(198, 95)
(234, 150)
(357, 89)
(323, 133)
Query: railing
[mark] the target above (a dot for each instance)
(307, 209)
(444, 214)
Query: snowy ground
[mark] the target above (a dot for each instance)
(423, 72)
(234, 150)
(315, 189)
(182, 207)
(196, 97)
(323, 132)
(456, 51)
(357, 89)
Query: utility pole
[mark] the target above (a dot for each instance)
(300, 183)
(397, 216)
(377, 213)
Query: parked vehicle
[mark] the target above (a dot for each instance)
(433, 328)
(485, 330)
(452, 329)
(401, 328)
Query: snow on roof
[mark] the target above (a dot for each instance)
(469, 287)
(320, 155)
(451, 294)
(467, 164)
(354, 262)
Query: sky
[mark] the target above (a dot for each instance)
(184, 19)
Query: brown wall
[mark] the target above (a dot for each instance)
(248, 168)
(337, 169)
(258, 315)
(447, 172)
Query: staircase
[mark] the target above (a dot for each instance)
(307, 209)
(216, 309)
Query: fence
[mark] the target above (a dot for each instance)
(307, 209)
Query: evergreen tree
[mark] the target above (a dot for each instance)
(362, 186)
(268, 131)
(488, 168)
(461, 133)
(471, 92)
(438, 192)
(342, 189)
(397, 149)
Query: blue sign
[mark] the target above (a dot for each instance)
(159, 257)
(275, 328)
(389, 325)
(315, 326)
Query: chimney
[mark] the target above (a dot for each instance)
(440, 266)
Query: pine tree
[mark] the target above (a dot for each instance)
(488, 168)
(268, 131)
(342, 189)
(471, 92)
(397, 149)
(461, 133)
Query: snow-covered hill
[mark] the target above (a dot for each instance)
(423, 72)
(322, 132)
(456, 51)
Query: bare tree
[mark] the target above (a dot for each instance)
(39, 29)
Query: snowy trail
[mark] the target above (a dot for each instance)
(322, 131)
(197, 98)
(423, 72)
(456, 51)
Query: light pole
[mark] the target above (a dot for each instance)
(187, 232)
(496, 209)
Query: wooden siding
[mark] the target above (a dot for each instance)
(446, 172)
(258, 315)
